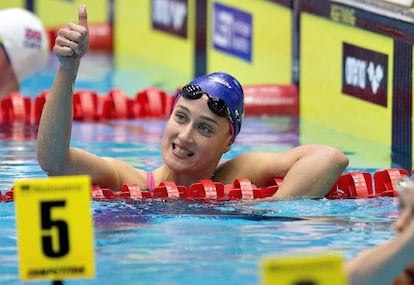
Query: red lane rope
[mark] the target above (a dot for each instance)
(90, 106)
(352, 185)
(150, 102)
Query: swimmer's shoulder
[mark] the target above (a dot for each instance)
(127, 173)
(233, 168)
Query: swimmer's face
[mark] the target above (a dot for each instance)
(195, 138)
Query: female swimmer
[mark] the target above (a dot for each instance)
(205, 121)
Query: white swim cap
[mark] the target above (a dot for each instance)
(25, 41)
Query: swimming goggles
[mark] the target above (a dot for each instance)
(216, 105)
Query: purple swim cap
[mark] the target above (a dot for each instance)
(226, 87)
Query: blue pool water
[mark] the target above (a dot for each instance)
(181, 242)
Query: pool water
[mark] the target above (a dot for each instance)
(183, 242)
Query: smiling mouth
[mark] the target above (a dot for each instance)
(181, 152)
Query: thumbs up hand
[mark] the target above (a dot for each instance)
(72, 41)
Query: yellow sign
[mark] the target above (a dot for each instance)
(304, 270)
(54, 228)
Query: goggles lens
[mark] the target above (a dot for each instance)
(216, 105)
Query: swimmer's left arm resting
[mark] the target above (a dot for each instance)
(312, 171)
(308, 171)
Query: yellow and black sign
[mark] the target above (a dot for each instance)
(54, 228)
(304, 270)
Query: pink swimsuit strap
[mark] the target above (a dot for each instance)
(150, 181)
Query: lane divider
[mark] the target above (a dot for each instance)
(151, 102)
(352, 185)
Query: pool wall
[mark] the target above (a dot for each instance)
(362, 71)
(195, 37)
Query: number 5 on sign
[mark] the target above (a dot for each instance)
(54, 228)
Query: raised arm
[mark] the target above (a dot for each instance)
(54, 153)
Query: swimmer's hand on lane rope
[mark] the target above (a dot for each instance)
(72, 41)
